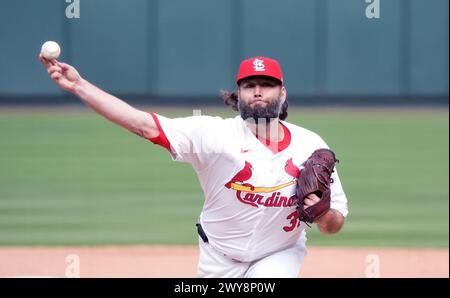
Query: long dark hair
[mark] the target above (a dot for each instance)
(231, 99)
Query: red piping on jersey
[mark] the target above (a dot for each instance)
(286, 140)
(278, 146)
(160, 139)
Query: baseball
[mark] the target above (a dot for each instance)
(50, 50)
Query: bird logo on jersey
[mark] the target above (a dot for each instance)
(292, 169)
(243, 175)
(256, 195)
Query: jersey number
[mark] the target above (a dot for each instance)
(294, 222)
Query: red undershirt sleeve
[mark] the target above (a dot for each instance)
(160, 139)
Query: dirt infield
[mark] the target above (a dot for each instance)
(181, 261)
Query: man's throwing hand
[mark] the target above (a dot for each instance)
(63, 74)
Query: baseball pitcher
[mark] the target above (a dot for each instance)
(264, 179)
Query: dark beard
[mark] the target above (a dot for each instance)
(270, 112)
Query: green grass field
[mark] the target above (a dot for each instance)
(69, 177)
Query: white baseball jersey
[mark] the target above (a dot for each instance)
(249, 190)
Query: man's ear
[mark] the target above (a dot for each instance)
(283, 94)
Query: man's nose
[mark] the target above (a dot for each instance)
(257, 91)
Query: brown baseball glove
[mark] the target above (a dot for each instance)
(315, 177)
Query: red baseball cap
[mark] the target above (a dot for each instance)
(260, 66)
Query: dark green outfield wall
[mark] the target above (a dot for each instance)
(179, 48)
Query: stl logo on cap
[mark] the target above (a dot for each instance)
(258, 65)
